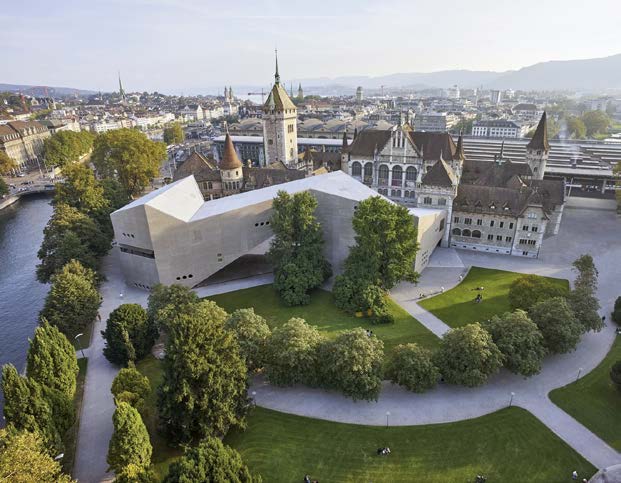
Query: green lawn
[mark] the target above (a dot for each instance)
(163, 454)
(71, 438)
(456, 307)
(323, 314)
(510, 445)
(594, 401)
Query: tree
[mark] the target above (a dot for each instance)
(24, 458)
(352, 363)
(73, 299)
(616, 313)
(115, 193)
(210, 461)
(61, 406)
(165, 301)
(130, 156)
(4, 188)
(252, 334)
(129, 334)
(51, 360)
(585, 307)
(69, 235)
(555, 319)
(296, 250)
(132, 387)
(292, 356)
(412, 367)
(576, 128)
(596, 122)
(520, 341)
(383, 255)
(468, 356)
(615, 374)
(587, 273)
(528, 290)
(27, 409)
(7, 164)
(174, 134)
(130, 444)
(204, 388)
(66, 147)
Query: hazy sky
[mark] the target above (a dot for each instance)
(177, 45)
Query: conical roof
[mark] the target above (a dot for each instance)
(278, 100)
(539, 142)
(459, 151)
(229, 156)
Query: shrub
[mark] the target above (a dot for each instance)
(129, 334)
(411, 366)
(615, 374)
(616, 313)
(132, 387)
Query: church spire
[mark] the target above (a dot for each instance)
(539, 142)
(459, 152)
(276, 75)
(121, 90)
(345, 144)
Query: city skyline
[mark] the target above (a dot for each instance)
(188, 46)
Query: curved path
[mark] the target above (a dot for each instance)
(582, 231)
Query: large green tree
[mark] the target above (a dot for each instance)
(7, 164)
(26, 407)
(296, 250)
(527, 290)
(383, 255)
(73, 299)
(130, 442)
(66, 147)
(556, 321)
(468, 356)
(520, 341)
(204, 388)
(165, 301)
(24, 458)
(210, 462)
(582, 298)
(129, 155)
(352, 363)
(70, 234)
(293, 354)
(129, 334)
(412, 367)
(253, 335)
(132, 387)
(51, 360)
(596, 122)
(174, 134)
(576, 128)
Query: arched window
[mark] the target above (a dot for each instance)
(383, 174)
(476, 234)
(466, 232)
(209, 185)
(456, 231)
(395, 193)
(410, 173)
(356, 169)
(368, 170)
(397, 176)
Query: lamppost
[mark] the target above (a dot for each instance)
(579, 372)
(76, 338)
(387, 414)
(59, 457)
(511, 400)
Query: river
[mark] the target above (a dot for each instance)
(21, 296)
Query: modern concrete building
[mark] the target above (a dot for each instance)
(172, 236)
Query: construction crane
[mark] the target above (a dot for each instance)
(262, 94)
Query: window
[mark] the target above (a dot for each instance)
(356, 169)
(524, 227)
(209, 185)
(456, 219)
(491, 223)
(476, 234)
(270, 142)
(368, 170)
(397, 176)
(427, 200)
(479, 222)
(511, 226)
(383, 174)
(498, 237)
(441, 224)
(534, 228)
(508, 239)
(468, 221)
(466, 232)
(502, 224)
(456, 231)
(396, 193)
(442, 201)
(410, 174)
(490, 237)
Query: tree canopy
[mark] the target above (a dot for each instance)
(468, 356)
(131, 386)
(51, 360)
(129, 334)
(252, 334)
(412, 367)
(203, 392)
(165, 301)
(7, 164)
(520, 341)
(4, 188)
(66, 147)
(296, 250)
(210, 461)
(596, 122)
(556, 321)
(174, 134)
(576, 128)
(528, 290)
(129, 155)
(130, 444)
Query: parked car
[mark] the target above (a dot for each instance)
(21, 175)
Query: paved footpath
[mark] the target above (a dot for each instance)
(581, 232)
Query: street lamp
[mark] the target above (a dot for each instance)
(511, 400)
(76, 339)
(579, 372)
(59, 457)
(387, 414)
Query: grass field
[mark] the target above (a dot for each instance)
(71, 438)
(323, 314)
(456, 307)
(594, 401)
(510, 445)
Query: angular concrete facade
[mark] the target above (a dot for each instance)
(172, 236)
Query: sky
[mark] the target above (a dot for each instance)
(177, 46)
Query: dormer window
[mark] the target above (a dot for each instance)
(492, 206)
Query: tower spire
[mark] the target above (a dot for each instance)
(276, 75)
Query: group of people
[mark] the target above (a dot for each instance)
(383, 451)
(479, 298)
(369, 332)
(307, 479)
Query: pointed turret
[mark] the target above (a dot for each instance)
(121, 90)
(539, 142)
(230, 160)
(459, 151)
(276, 75)
(345, 143)
(502, 151)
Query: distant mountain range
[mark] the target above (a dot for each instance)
(587, 75)
(40, 91)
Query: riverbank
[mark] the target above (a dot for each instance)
(8, 201)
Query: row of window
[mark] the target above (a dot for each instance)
(141, 252)
(129, 235)
(428, 200)
(141, 285)
(232, 185)
(184, 277)
(532, 228)
(479, 222)
(262, 223)
(524, 241)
